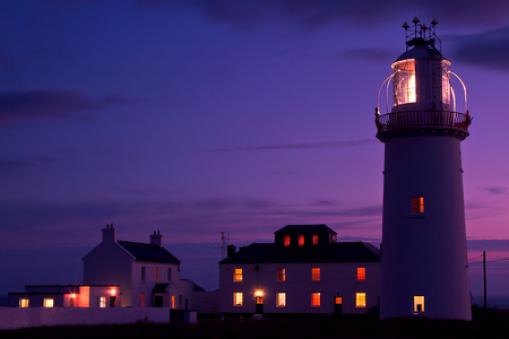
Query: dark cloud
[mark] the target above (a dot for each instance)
(22, 105)
(315, 13)
(496, 190)
(297, 146)
(488, 49)
(11, 166)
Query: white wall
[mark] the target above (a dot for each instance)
(336, 278)
(145, 287)
(12, 318)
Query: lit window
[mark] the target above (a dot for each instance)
(315, 274)
(237, 275)
(338, 300)
(48, 302)
(361, 273)
(286, 240)
(172, 302)
(446, 85)
(360, 300)
(281, 275)
(315, 299)
(24, 303)
(259, 295)
(418, 204)
(143, 273)
(281, 299)
(102, 302)
(314, 239)
(301, 240)
(238, 299)
(418, 304)
(404, 82)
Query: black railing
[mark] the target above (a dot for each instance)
(422, 120)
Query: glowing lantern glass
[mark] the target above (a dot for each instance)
(404, 82)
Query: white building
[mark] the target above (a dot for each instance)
(305, 270)
(424, 257)
(147, 273)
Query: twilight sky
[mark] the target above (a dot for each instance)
(197, 117)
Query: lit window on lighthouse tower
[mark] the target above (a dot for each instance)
(418, 205)
(404, 82)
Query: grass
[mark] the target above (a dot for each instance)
(486, 324)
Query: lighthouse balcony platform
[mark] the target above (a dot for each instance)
(422, 122)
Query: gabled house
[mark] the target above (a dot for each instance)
(147, 273)
(305, 270)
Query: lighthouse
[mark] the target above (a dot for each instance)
(422, 122)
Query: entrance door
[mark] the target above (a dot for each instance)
(259, 304)
(338, 305)
(158, 301)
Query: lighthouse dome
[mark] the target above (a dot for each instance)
(421, 49)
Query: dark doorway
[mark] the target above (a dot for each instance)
(338, 305)
(259, 305)
(112, 301)
(158, 301)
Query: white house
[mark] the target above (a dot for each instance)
(147, 273)
(305, 270)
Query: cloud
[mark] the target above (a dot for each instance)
(316, 13)
(496, 190)
(488, 49)
(23, 105)
(296, 146)
(11, 165)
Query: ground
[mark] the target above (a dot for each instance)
(486, 324)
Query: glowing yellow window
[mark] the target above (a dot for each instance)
(281, 299)
(173, 302)
(315, 299)
(361, 273)
(418, 204)
(315, 274)
(102, 302)
(238, 299)
(281, 274)
(48, 302)
(286, 241)
(314, 239)
(360, 300)
(301, 240)
(237, 275)
(418, 304)
(24, 303)
(338, 300)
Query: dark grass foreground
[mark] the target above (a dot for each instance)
(486, 324)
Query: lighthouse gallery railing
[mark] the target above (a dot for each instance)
(396, 121)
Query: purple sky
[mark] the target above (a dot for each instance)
(197, 117)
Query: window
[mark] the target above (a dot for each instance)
(404, 82)
(418, 304)
(315, 274)
(180, 300)
(315, 299)
(281, 299)
(156, 274)
(169, 274)
(172, 304)
(302, 240)
(24, 303)
(333, 238)
(360, 300)
(338, 300)
(48, 302)
(102, 302)
(143, 273)
(281, 274)
(237, 274)
(418, 204)
(238, 299)
(142, 299)
(361, 273)
(314, 239)
(286, 240)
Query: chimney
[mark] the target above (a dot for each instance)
(156, 238)
(230, 251)
(109, 233)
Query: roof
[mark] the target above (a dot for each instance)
(422, 49)
(340, 252)
(148, 252)
(306, 228)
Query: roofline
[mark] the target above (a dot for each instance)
(77, 285)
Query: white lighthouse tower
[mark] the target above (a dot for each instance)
(424, 258)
